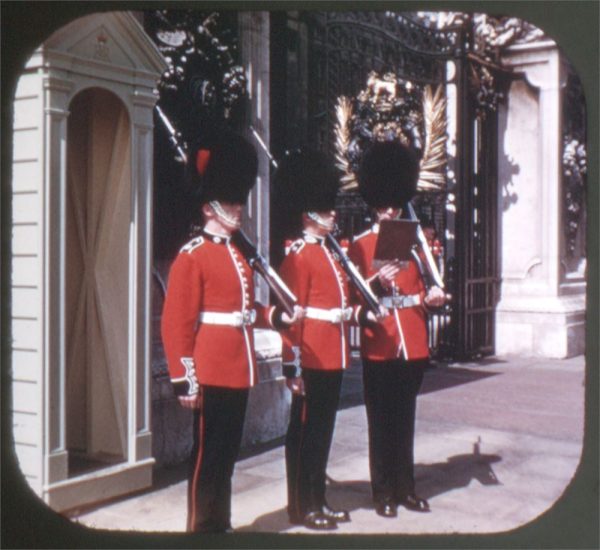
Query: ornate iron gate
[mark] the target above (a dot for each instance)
(341, 49)
(477, 281)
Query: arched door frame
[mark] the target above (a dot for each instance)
(61, 490)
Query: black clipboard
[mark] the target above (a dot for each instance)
(395, 241)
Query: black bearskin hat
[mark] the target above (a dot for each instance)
(388, 174)
(222, 168)
(305, 181)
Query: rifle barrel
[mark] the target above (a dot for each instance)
(426, 250)
(361, 285)
(284, 295)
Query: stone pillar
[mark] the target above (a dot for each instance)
(539, 313)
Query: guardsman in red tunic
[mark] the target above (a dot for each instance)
(395, 350)
(207, 328)
(316, 350)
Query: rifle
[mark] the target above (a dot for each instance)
(433, 269)
(259, 264)
(173, 135)
(351, 270)
(264, 146)
(254, 259)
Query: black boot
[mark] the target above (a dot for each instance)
(339, 516)
(317, 520)
(414, 503)
(386, 508)
(314, 520)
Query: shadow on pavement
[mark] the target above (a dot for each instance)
(439, 376)
(431, 479)
(458, 471)
(169, 475)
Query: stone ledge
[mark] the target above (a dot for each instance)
(568, 304)
(100, 485)
(541, 326)
(267, 344)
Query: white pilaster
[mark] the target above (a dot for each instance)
(56, 95)
(140, 391)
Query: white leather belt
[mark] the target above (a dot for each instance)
(400, 302)
(335, 315)
(233, 319)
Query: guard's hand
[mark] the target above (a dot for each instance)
(295, 385)
(435, 297)
(372, 318)
(298, 314)
(190, 401)
(387, 273)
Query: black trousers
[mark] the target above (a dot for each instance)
(391, 389)
(218, 425)
(308, 440)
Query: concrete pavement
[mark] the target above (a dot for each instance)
(497, 443)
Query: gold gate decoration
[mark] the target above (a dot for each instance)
(391, 108)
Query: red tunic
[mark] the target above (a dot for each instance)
(318, 281)
(210, 275)
(404, 332)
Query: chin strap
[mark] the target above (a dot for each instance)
(220, 212)
(320, 221)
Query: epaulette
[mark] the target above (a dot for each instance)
(361, 235)
(296, 246)
(190, 246)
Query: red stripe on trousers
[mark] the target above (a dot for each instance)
(192, 518)
(298, 461)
